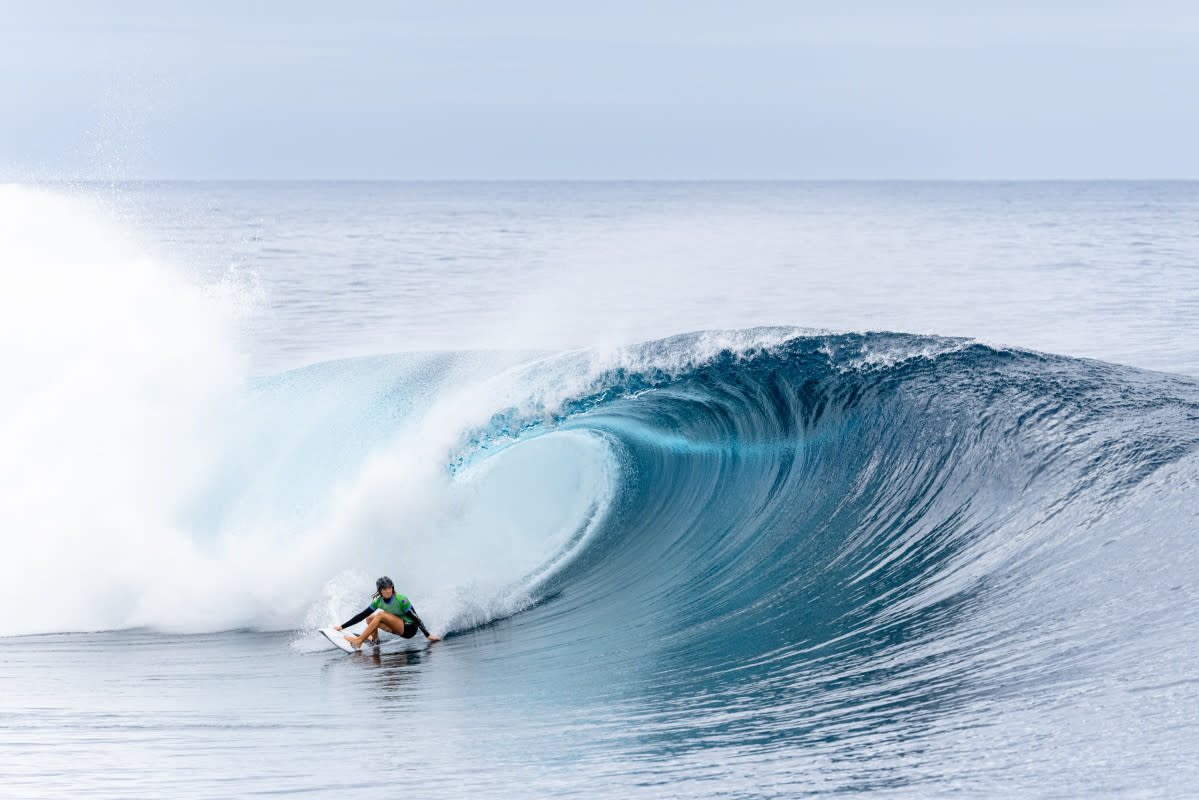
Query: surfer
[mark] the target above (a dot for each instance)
(392, 612)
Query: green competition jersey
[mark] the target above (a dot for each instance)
(398, 605)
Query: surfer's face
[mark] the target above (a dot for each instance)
(387, 592)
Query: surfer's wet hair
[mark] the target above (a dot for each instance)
(383, 583)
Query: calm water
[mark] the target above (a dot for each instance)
(1101, 270)
(914, 517)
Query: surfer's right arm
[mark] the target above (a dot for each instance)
(354, 620)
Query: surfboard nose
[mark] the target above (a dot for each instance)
(338, 640)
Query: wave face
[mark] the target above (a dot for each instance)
(882, 540)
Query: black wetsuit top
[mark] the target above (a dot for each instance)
(366, 612)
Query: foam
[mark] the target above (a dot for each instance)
(151, 483)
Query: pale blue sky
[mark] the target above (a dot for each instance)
(862, 89)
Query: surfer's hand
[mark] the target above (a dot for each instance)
(434, 638)
(336, 627)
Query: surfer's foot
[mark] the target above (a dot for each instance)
(354, 641)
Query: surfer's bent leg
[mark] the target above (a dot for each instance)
(388, 622)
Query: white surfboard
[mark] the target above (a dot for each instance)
(338, 639)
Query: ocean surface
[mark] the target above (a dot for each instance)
(713, 489)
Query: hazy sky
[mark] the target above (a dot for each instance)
(519, 89)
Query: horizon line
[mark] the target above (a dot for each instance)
(112, 181)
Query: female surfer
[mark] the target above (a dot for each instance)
(392, 612)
